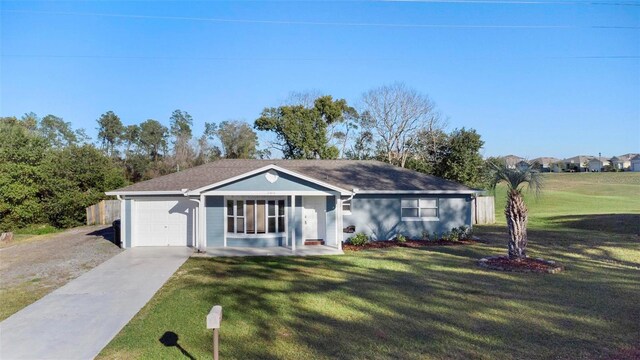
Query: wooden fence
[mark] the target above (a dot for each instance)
(103, 213)
(483, 210)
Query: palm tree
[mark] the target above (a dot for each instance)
(516, 210)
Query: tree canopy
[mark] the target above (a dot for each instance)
(110, 131)
(49, 181)
(302, 130)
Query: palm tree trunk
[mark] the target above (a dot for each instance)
(516, 213)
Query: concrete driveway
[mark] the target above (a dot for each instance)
(79, 319)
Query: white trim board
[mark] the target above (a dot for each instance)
(145, 193)
(444, 192)
(267, 193)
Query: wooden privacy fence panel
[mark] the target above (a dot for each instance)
(103, 213)
(483, 210)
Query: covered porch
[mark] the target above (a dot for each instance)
(271, 221)
(270, 208)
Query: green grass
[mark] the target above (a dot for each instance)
(14, 298)
(429, 303)
(38, 229)
(31, 232)
(567, 195)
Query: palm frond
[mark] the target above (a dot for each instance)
(516, 179)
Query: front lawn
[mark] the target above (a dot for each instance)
(428, 303)
(403, 303)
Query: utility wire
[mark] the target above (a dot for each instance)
(368, 59)
(524, 2)
(322, 23)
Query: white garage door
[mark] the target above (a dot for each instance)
(164, 222)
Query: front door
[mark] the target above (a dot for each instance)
(314, 212)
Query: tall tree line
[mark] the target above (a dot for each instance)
(150, 149)
(50, 172)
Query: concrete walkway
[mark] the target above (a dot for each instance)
(271, 251)
(79, 319)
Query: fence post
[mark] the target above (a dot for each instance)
(213, 322)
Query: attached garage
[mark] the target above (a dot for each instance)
(164, 222)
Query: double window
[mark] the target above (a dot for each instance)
(419, 209)
(251, 216)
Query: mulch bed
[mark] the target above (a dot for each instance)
(407, 244)
(503, 263)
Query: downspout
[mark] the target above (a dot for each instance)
(353, 193)
(122, 207)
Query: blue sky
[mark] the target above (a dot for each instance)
(541, 78)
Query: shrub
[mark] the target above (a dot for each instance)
(453, 235)
(425, 235)
(37, 229)
(360, 239)
(401, 238)
(465, 232)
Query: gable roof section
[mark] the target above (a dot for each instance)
(367, 176)
(545, 160)
(264, 169)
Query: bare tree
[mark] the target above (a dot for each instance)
(396, 115)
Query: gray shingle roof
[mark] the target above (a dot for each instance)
(346, 174)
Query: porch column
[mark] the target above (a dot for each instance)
(338, 221)
(202, 241)
(292, 224)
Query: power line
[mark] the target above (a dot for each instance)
(370, 59)
(524, 2)
(323, 23)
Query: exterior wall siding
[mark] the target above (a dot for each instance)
(285, 182)
(215, 218)
(127, 223)
(379, 217)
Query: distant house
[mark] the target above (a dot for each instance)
(511, 161)
(557, 167)
(544, 164)
(577, 163)
(635, 163)
(522, 165)
(597, 164)
(620, 162)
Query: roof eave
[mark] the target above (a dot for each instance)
(145, 192)
(443, 192)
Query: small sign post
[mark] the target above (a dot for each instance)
(213, 322)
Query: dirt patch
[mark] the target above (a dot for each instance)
(44, 263)
(503, 263)
(406, 244)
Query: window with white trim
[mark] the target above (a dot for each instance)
(419, 209)
(255, 216)
(346, 206)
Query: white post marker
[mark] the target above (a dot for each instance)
(213, 322)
